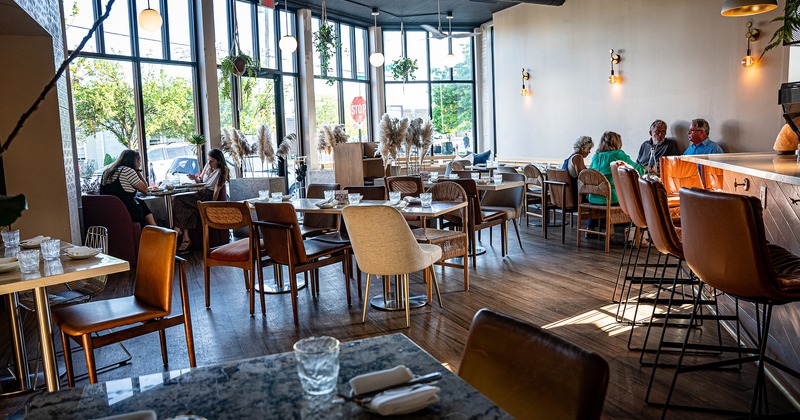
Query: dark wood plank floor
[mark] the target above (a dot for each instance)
(561, 287)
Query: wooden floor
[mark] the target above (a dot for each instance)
(561, 287)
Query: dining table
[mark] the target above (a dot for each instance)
(168, 193)
(266, 387)
(50, 273)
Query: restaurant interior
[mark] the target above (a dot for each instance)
(469, 253)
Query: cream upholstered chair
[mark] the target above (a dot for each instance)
(384, 246)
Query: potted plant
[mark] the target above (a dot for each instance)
(236, 64)
(403, 69)
(790, 22)
(326, 42)
(198, 141)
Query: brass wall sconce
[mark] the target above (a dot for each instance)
(525, 77)
(615, 58)
(752, 35)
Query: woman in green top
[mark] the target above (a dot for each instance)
(610, 151)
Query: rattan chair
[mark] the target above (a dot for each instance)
(149, 308)
(591, 181)
(530, 372)
(384, 246)
(408, 186)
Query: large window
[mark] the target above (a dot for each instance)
(341, 94)
(129, 85)
(443, 94)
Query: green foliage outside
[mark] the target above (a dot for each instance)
(104, 101)
(452, 102)
(108, 159)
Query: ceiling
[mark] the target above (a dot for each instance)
(466, 13)
(15, 21)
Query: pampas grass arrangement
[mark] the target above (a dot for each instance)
(392, 134)
(426, 136)
(287, 146)
(234, 142)
(329, 135)
(264, 143)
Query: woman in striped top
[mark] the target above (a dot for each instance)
(122, 179)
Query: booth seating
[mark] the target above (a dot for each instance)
(123, 234)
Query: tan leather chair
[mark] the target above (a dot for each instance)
(240, 254)
(675, 174)
(280, 232)
(150, 306)
(559, 188)
(384, 246)
(726, 246)
(318, 224)
(591, 181)
(531, 373)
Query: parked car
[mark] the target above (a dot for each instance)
(161, 157)
(182, 167)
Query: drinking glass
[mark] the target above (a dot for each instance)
(394, 196)
(52, 268)
(50, 249)
(330, 194)
(425, 199)
(317, 364)
(475, 175)
(354, 198)
(11, 238)
(453, 176)
(276, 197)
(28, 260)
(498, 178)
(434, 176)
(262, 194)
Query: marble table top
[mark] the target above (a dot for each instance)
(265, 387)
(780, 168)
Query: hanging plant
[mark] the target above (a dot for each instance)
(236, 64)
(198, 141)
(326, 42)
(403, 69)
(790, 22)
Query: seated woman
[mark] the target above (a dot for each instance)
(609, 151)
(574, 163)
(122, 179)
(184, 207)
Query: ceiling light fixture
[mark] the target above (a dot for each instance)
(747, 7)
(150, 20)
(376, 59)
(450, 60)
(614, 79)
(287, 44)
(752, 35)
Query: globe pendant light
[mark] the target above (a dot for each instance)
(287, 44)
(376, 59)
(150, 20)
(450, 60)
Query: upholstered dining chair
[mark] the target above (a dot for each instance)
(591, 181)
(530, 372)
(317, 224)
(479, 219)
(384, 246)
(278, 229)
(240, 254)
(558, 187)
(510, 200)
(534, 188)
(149, 309)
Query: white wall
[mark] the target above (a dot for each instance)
(680, 60)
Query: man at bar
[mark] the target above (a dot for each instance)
(658, 144)
(701, 144)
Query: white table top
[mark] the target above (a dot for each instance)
(780, 168)
(63, 270)
(489, 186)
(437, 208)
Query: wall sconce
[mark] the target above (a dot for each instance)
(614, 79)
(525, 77)
(752, 35)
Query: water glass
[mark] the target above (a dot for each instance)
(434, 176)
(276, 197)
(28, 260)
(10, 238)
(394, 196)
(317, 364)
(52, 268)
(262, 194)
(475, 175)
(453, 176)
(425, 199)
(498, 178)
(50, 249)
(330, 194)
(354, 199)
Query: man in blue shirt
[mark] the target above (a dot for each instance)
(701, 144)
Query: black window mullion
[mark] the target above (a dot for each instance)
(254, 30)
(165, 50)
(99, 35)
(276, 23)
(134, 30)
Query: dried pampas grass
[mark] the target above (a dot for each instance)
(392, 133)
(287, 146)
(426, 135)
(265, 149)
(329, 135)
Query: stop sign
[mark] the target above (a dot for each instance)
(358, 109)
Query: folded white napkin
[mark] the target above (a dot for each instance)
(404, 400)
(399, 205)
(331, 202)
(372, 381)
(81, 250)
(36, 240)
(412, 200)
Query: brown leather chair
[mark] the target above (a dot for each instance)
(478, 219)
(150, 306)
(466, 173)
(591, 181)
(409, 186)
(284, 244)
(317, 224)
(675, 174)
(240, 254)
(726, 246)
(369, 192)
(530, 372)
(558, 187)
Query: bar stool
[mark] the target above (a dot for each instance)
(725, 245)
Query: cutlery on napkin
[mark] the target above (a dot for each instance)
(330, 202)
(394, 391)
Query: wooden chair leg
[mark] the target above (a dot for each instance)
(68, 359)
(261, 295)
(346, 264)
(428, 286)
(366, 301)
(250, 279)
(579, 228)
(88, 351)
(405, 296)
(466, 268)
(609, 232)
(293, 285)
(516, 228)
(436, 285)
(207, 273)
(162, 337)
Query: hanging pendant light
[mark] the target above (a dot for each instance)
(288, 43)
(150, 20)
(450, 60)
(747, 7)
(376, 59)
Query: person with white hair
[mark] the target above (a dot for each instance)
(574, 164)
(658, 145)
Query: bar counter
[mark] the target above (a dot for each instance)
(775, 179)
